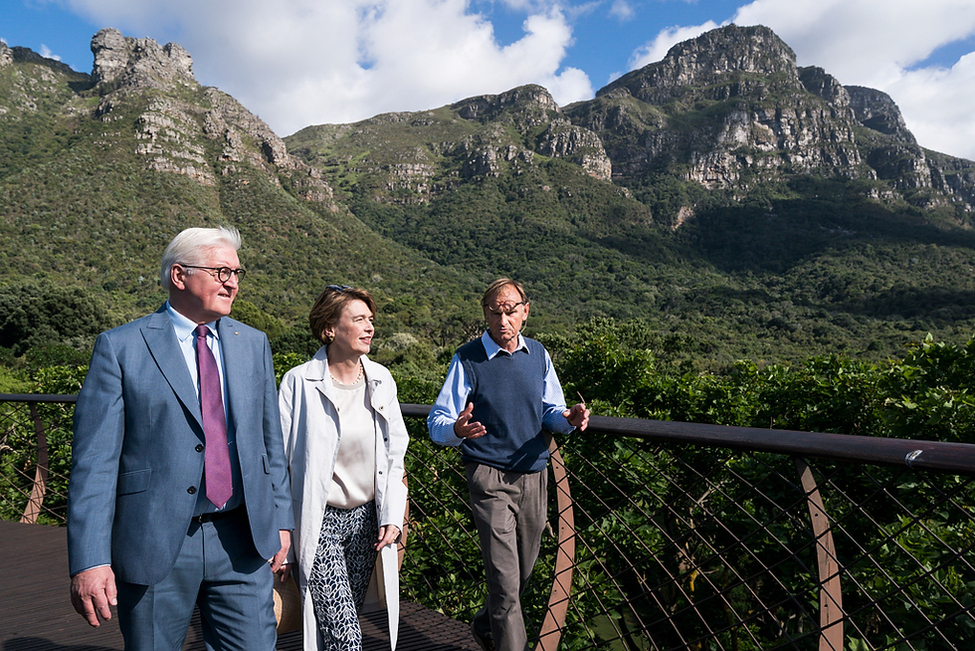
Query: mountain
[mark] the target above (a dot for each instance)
(99, 171)
(729, 110)
(740, 205)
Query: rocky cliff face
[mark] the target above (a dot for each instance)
(185, 128)
(895, 155)
(412, 158)
(533, 113)
(718, 65)
(139, 63)
(730, 109)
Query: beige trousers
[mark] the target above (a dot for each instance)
(510, 509)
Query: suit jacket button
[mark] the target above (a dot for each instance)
(199, 447)
(191, 490)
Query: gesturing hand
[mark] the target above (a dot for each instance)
(464, 428)
(578, 416)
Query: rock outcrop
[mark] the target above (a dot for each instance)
(528, 110)
(6, 55)
(185, 128)
(731, 109)
(139, 63)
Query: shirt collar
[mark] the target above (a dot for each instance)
(184, 327)
(492, 348)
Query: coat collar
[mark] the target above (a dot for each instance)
(316, 372)
(160, 338)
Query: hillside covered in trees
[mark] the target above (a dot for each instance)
(735, 204)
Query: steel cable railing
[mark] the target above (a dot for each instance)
(675, 535)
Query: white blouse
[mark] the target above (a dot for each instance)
(353, 478)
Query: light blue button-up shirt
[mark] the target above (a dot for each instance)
(453, 396)
(186, 335)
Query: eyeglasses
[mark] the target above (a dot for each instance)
(222, 274)
(338, 288)
(505, 309)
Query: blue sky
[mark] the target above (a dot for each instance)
(300, 62)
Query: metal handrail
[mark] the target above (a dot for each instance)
(940, 456)
(956, 458)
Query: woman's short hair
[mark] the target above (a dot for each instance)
(190, 247)
(328, 307)
(499, 284)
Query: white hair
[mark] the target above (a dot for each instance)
(190, 247)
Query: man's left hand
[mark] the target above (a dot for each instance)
(578, 416)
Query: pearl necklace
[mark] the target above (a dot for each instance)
(354, 382)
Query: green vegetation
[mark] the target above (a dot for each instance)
(793, 301)
(627, 368)
(629, 490)
(430, 206)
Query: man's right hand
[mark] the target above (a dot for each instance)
(464, 428)
(91, 593)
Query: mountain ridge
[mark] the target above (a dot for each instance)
(722, 193)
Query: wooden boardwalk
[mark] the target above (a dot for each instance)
(36, 612)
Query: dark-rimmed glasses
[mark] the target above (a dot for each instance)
(222, 274)
(338, 288)
(505, 309)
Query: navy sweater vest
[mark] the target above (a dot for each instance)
(507, 397)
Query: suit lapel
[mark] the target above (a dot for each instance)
(161, 340)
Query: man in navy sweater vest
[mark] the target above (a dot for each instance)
(500, 395)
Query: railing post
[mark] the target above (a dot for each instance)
(39, 487)
(830, 590)
(550, 633)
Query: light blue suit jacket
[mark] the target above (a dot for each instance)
(137, 454)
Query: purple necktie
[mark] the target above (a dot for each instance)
(216, 458)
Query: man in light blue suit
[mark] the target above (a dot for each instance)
(165, 513)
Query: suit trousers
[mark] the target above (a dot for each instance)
(510, 511)
(217, 569)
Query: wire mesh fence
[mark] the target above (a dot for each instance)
(669, 537)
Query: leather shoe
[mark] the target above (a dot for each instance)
(486, 643)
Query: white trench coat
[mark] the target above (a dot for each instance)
(309, 422)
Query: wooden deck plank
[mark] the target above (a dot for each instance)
(37, 612)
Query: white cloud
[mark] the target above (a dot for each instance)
(302, 62)
(48, 54)
(622, 10)
(45, 50)
(937, 105)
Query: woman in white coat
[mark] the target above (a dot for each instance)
(345, 440)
